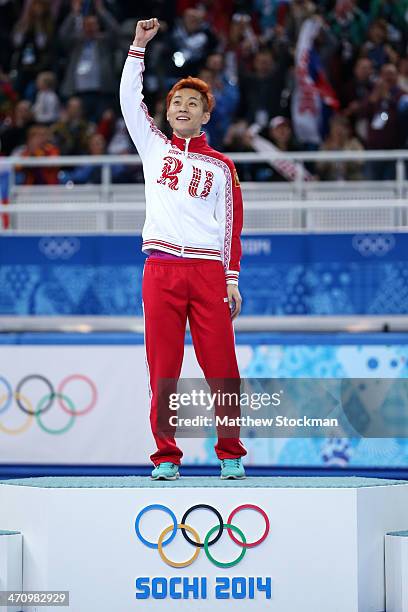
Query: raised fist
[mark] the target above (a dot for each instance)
(145, 30)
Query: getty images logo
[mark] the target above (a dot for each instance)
(238, 587)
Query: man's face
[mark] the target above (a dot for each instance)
(263, 64)
(363, 69)
(281, 133)
(97, 144)
(403, 66)
(74, 108)
(389, 74)
(377, 34)
(207, 76)
(23, 111)
(91, 26)
(343, 7)
(38, 138)
(215, 62)
(192, 19)
(38, 8)
(186, 113)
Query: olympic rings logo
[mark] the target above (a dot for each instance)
(45, 403)
(215, 531)
(59, 247)
(373, 244)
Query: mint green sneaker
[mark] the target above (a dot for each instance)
(232, 469)
(165, 471)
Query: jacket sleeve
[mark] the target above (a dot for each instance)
(229, 214)
(140, 125)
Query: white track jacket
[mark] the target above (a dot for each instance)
(193, 197)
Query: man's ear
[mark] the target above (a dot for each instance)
(206, 118)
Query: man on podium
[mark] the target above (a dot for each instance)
(192, 238)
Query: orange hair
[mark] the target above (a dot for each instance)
(193, 83)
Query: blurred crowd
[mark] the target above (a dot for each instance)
(291, 75)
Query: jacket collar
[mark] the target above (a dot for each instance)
(194, 144)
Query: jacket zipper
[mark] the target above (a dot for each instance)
(181, 215)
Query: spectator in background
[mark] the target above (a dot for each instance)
(226, 99)
(281, 135)
(46, 107)
(277, 136)
(120, 142)
(360, 85)
(188, 45)
(72, 131)
(218, 14)
(395, 14)
(314, 99)
(261, 89)
(240, 47)
(8, 97)
(278, 42)
(355, 93)
(377, 47)
(39, 145)
(299, 11)
(267, 12)
(106, 125)
(348, 27)
(340, 138)
(91, 174)
(385, 131)
(115, 133)
(236, 139)
(33, 41)
(56, 7)
(14, 132)
(403, 74)
(90, 72)
(9, 11)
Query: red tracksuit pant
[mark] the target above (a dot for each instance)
(172, 291)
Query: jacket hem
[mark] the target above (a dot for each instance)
(153, 244)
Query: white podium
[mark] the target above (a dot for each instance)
(11, 563)
(396, 571)
(295, 545)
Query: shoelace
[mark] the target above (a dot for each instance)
(237, 462)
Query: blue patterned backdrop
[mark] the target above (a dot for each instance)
(337, 356)
(281, 274)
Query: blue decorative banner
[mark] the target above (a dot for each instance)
(322, 274)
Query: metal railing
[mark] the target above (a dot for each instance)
(106, 161)
(298, 206)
